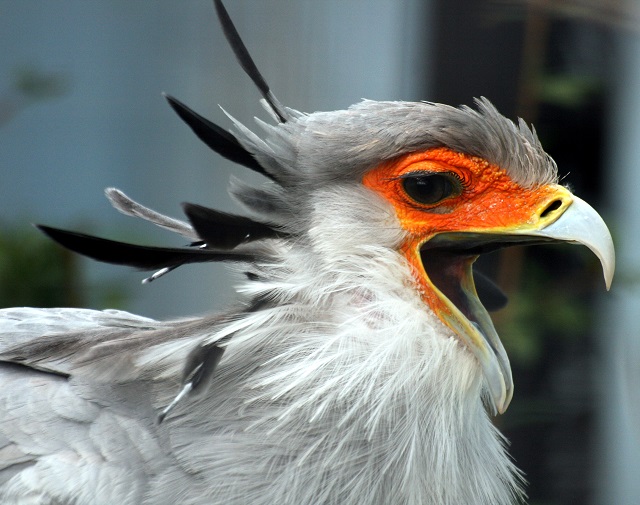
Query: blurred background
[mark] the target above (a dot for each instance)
(81, 110)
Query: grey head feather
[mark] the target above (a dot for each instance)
(270, 200)
(310, 151)
(325, 147)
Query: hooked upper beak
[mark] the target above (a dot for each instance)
(581, 224)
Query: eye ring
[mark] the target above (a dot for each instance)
(430, 188)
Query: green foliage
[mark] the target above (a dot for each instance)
(568, 91)
(545, 306)
(36, 84)
(34, 271)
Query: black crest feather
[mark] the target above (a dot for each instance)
(138, 256)
(215, 233)
(222, 230)
(246, 62)
(217, 138)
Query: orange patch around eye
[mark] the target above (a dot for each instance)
(489, 198)
(488, 201)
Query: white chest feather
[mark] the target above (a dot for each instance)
(349, 394)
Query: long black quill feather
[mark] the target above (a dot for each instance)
(217, 138)
(246, 62)
(142, 257)
(225, 231)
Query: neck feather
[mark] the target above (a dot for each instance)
(356, 394)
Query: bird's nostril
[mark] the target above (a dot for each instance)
(554, 205)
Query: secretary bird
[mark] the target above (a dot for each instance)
(359, 365)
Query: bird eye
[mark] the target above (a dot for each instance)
(429, 188)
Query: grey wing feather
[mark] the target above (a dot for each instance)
(64, 448)
(68, 437)
(21, 325)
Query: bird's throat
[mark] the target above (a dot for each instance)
(450, 273)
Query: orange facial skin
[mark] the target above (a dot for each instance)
(487, 200)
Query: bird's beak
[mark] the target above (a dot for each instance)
(447, 259)
(581, 224)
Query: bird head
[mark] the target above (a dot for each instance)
(457, 183)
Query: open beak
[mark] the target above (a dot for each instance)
(448, 257)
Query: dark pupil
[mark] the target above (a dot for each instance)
(428, 188)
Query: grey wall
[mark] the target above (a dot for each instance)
(618, 380)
